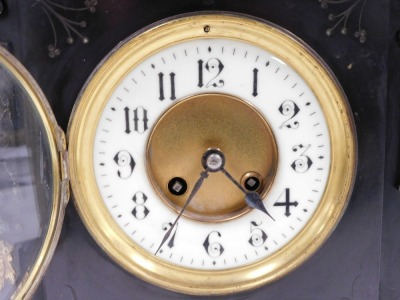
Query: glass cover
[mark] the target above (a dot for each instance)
(26, 193)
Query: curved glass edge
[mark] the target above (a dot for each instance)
(34, 187)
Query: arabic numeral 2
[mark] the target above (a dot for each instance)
(212, 246)
(289, 109)
(139, 118)
(214, 68)
(126, 164)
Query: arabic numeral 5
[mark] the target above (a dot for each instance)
(258, 236)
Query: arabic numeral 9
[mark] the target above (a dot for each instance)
(126, 164)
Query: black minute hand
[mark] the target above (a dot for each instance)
(203, 176)
(253, 199)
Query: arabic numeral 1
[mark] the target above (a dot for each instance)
(255, 82)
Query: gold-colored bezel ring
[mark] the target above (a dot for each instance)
(132, 52)
(31, 279)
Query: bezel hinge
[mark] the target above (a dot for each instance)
(64, 163)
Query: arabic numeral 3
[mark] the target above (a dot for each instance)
(303, 163)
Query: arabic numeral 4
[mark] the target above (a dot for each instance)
(287, 203)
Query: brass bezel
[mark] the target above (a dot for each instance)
(54, 135)
(129, 54)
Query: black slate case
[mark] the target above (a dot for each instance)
(361, 258)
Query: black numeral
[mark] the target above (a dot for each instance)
(161, 84)
(289, 109)
(302, 164)
(126, 163)
(212, 246)
(200, 63)
(166, 227)
(255, 82)
(258, 236)
(140, 120)
(286, 203)
(214, 67)
(140, 211)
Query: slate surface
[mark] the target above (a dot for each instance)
(357, 260)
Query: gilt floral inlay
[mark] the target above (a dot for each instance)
(7, 272)
(57, 12)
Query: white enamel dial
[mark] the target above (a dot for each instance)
(223, 66)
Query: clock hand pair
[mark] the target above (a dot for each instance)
(214, 160)
(203, 176)
(253, 199)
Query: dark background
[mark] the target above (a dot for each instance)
(361, 260)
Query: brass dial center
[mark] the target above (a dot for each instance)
(210, 121)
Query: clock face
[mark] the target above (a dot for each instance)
(211, 154)
(171, 98)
